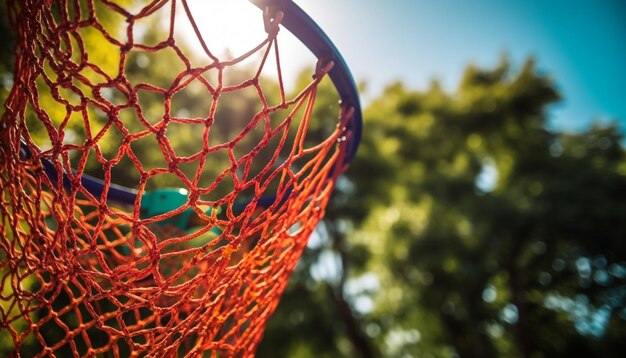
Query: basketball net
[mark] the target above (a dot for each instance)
(83, 274)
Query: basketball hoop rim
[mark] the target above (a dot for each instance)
(313, 37)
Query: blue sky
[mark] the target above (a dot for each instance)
(581, 44)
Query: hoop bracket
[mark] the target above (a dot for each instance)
(272, 18)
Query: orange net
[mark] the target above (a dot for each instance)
(84, 274)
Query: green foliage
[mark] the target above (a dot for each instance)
(489, 234)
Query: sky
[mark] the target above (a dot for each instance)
(581, 44)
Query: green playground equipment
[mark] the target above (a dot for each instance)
(165, 200)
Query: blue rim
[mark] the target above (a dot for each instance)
(311, 35)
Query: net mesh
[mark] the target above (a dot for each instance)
(81, 275)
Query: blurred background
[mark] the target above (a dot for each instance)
(484, 215)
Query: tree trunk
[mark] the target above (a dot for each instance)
(361, 343)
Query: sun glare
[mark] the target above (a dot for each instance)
(227, 26)
(230, 28)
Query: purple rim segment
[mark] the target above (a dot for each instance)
(313, 37)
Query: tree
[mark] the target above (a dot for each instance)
(487, 233)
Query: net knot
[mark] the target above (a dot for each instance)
(173, 165)
(65, 81)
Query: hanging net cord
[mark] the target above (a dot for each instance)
(84, 275)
